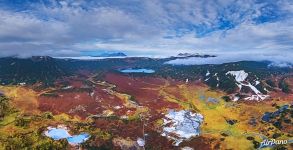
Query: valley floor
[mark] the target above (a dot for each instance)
(128, 112)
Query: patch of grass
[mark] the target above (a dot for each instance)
(8, 119)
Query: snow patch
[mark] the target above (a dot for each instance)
(181, 125)
(67, 87)
(140, 142)
(240, 76)
(117, 107)
(187, 148)
(208, 73)
(236, 98)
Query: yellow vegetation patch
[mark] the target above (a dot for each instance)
(216, 114)
(22, 98)
(126, 100)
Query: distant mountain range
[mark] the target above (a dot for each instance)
(194, 55)
(114, 54)
(259, 79)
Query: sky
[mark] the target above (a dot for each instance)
(61, 28)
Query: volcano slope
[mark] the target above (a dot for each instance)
(132, 110)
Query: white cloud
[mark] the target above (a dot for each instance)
(141, 27)
(279, 60)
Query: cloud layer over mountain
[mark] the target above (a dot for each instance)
(277, 60)
(152, 27)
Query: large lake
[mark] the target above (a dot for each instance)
(137, 71)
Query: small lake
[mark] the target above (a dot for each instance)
(78, 139)
(57, 133)
(138, 71)
(270, 115)
(62, 133)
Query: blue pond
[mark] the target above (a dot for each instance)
(212, 100)
(137, 71)
(57, 134)
(78, 139)
(61, 133)
(269, 115)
